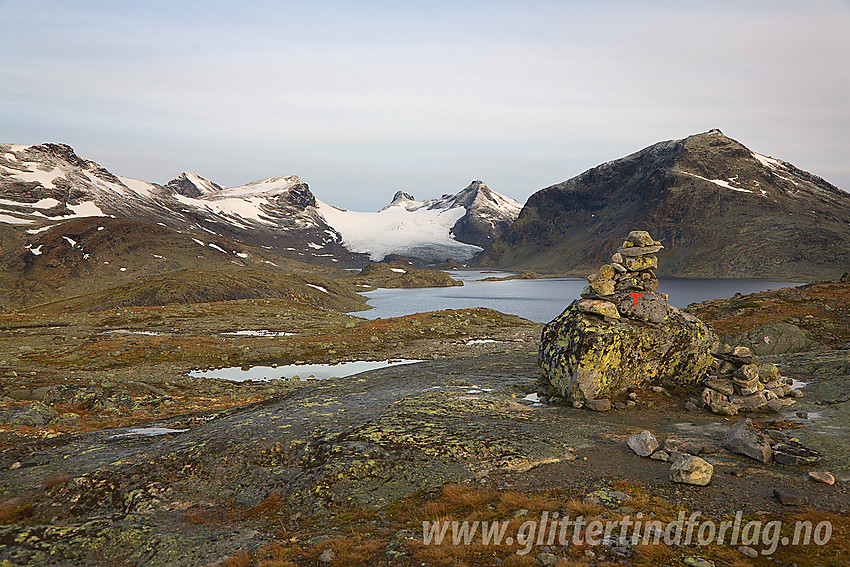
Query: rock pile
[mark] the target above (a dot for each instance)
(622, 333)
(740, 383)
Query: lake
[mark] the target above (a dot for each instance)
(538, 300)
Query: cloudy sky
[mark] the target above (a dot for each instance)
(363, 98)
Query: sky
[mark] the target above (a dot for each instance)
(364, 98)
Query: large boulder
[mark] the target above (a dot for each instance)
(772, 338)
(585, 356)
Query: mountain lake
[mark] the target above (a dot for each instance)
(538, 300)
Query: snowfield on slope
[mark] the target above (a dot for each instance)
(400, 229)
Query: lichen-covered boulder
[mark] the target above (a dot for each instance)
(585, 356)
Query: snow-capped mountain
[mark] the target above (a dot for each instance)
(451, 227)
(46, 184)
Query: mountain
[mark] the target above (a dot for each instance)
(720, 209)
(45, 184)
(453, 227)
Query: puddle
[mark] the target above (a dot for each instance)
(148, 432)
(480, 341)
(258, 333)
(303, 372)
(129, 332)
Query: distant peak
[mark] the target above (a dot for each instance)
(476, 185)
(193, 185)
(402, 196)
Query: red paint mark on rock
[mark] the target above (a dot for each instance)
(635, 296)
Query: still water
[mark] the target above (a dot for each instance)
(302, 372)
(537, 300)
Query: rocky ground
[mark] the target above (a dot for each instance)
(343, 472)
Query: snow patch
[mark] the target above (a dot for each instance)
(148, 432)
(259, 333)
(718, 182)
(315, 246)
(767, 161)
(211, 245)
(37, 230)
(86, 209)
(199, 242)
(320, 288)
(241, 254)
(398, 270)
(8, 219)
(36, 251)
(70, 241)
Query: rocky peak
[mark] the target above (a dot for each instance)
(192, 185)
(402, 196)
(299, 195)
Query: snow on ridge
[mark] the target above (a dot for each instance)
(142, 188)
(767, 161)
(272, 185)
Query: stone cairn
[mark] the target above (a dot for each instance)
(623, 334)
(737, 382)
(632, 269)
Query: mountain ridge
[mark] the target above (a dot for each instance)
(720, 209)
(47, 183)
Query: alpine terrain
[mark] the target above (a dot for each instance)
(46, 184)
(720, 209)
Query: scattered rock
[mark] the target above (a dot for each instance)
(661, 455)
(644, 444)
(598, 405)
(748, 551)
(793, 452)
(607, 498)
(822, 476)
(772, 338)
(744, 439)
(546, 559)
(789, 497)
(694, 561)
(34, 415)
(688, 469)
(802, 414)
(327, 556)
